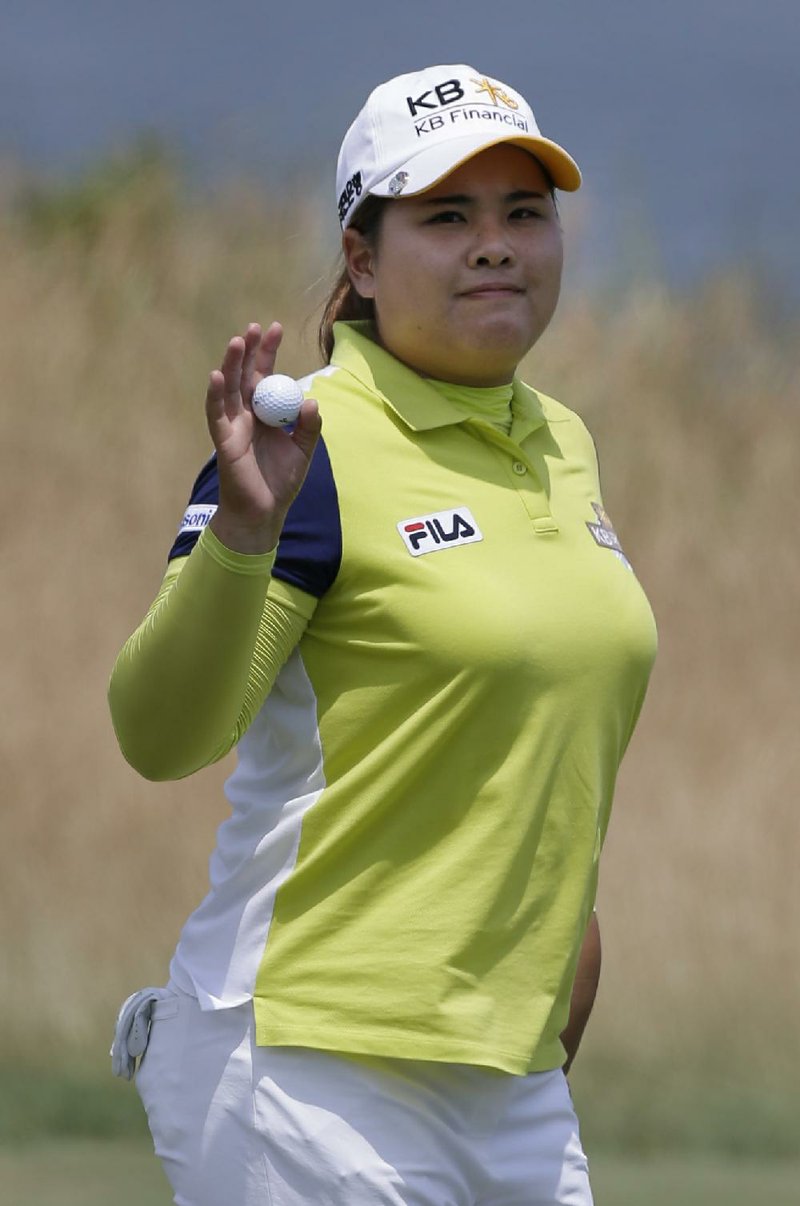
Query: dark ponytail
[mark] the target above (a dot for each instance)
(344, 303)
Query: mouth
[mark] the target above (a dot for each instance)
(490, 290)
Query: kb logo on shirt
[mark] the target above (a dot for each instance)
(441, 530)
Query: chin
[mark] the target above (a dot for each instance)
(499, 341)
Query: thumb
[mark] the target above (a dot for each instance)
(307, 427)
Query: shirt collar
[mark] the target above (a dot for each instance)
(417, 404)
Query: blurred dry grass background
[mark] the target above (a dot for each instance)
(116, 298)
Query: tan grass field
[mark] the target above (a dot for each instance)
(115, 301)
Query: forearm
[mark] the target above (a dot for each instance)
(584, 991)
(192, 676)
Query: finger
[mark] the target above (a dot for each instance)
(268, 349)
(252, 339)
(232, 373)
(216, 387)
(307, 428)
(215, 402)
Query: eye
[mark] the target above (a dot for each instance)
(526, 213)
(445, 216)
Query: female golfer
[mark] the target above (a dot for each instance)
(422, 635)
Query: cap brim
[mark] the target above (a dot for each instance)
(434, 163)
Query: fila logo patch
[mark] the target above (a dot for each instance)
(441, 530)
(197, 517)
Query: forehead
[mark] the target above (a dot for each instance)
(506, 166)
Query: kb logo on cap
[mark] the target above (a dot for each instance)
(451, 91)
(447, 93)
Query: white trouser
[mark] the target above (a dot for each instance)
(240, 1125)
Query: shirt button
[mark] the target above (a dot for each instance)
(519, 468)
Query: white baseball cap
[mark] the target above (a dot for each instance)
(415, 129)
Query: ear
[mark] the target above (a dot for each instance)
(359, 258)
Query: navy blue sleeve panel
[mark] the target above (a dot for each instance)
(201, 506)
(310, 548)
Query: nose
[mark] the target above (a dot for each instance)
(491, 247)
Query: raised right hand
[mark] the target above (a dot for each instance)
(260, 468)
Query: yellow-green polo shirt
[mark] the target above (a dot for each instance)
(419, 806)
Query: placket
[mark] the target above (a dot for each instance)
(521, 474)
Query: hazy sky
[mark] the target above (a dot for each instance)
(683, 115)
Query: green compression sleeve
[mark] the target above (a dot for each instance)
(190, 679)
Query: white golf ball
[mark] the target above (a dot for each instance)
(277, 400)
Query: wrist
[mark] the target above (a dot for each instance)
(250, 538)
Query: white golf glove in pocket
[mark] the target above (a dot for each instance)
(133, 1030)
